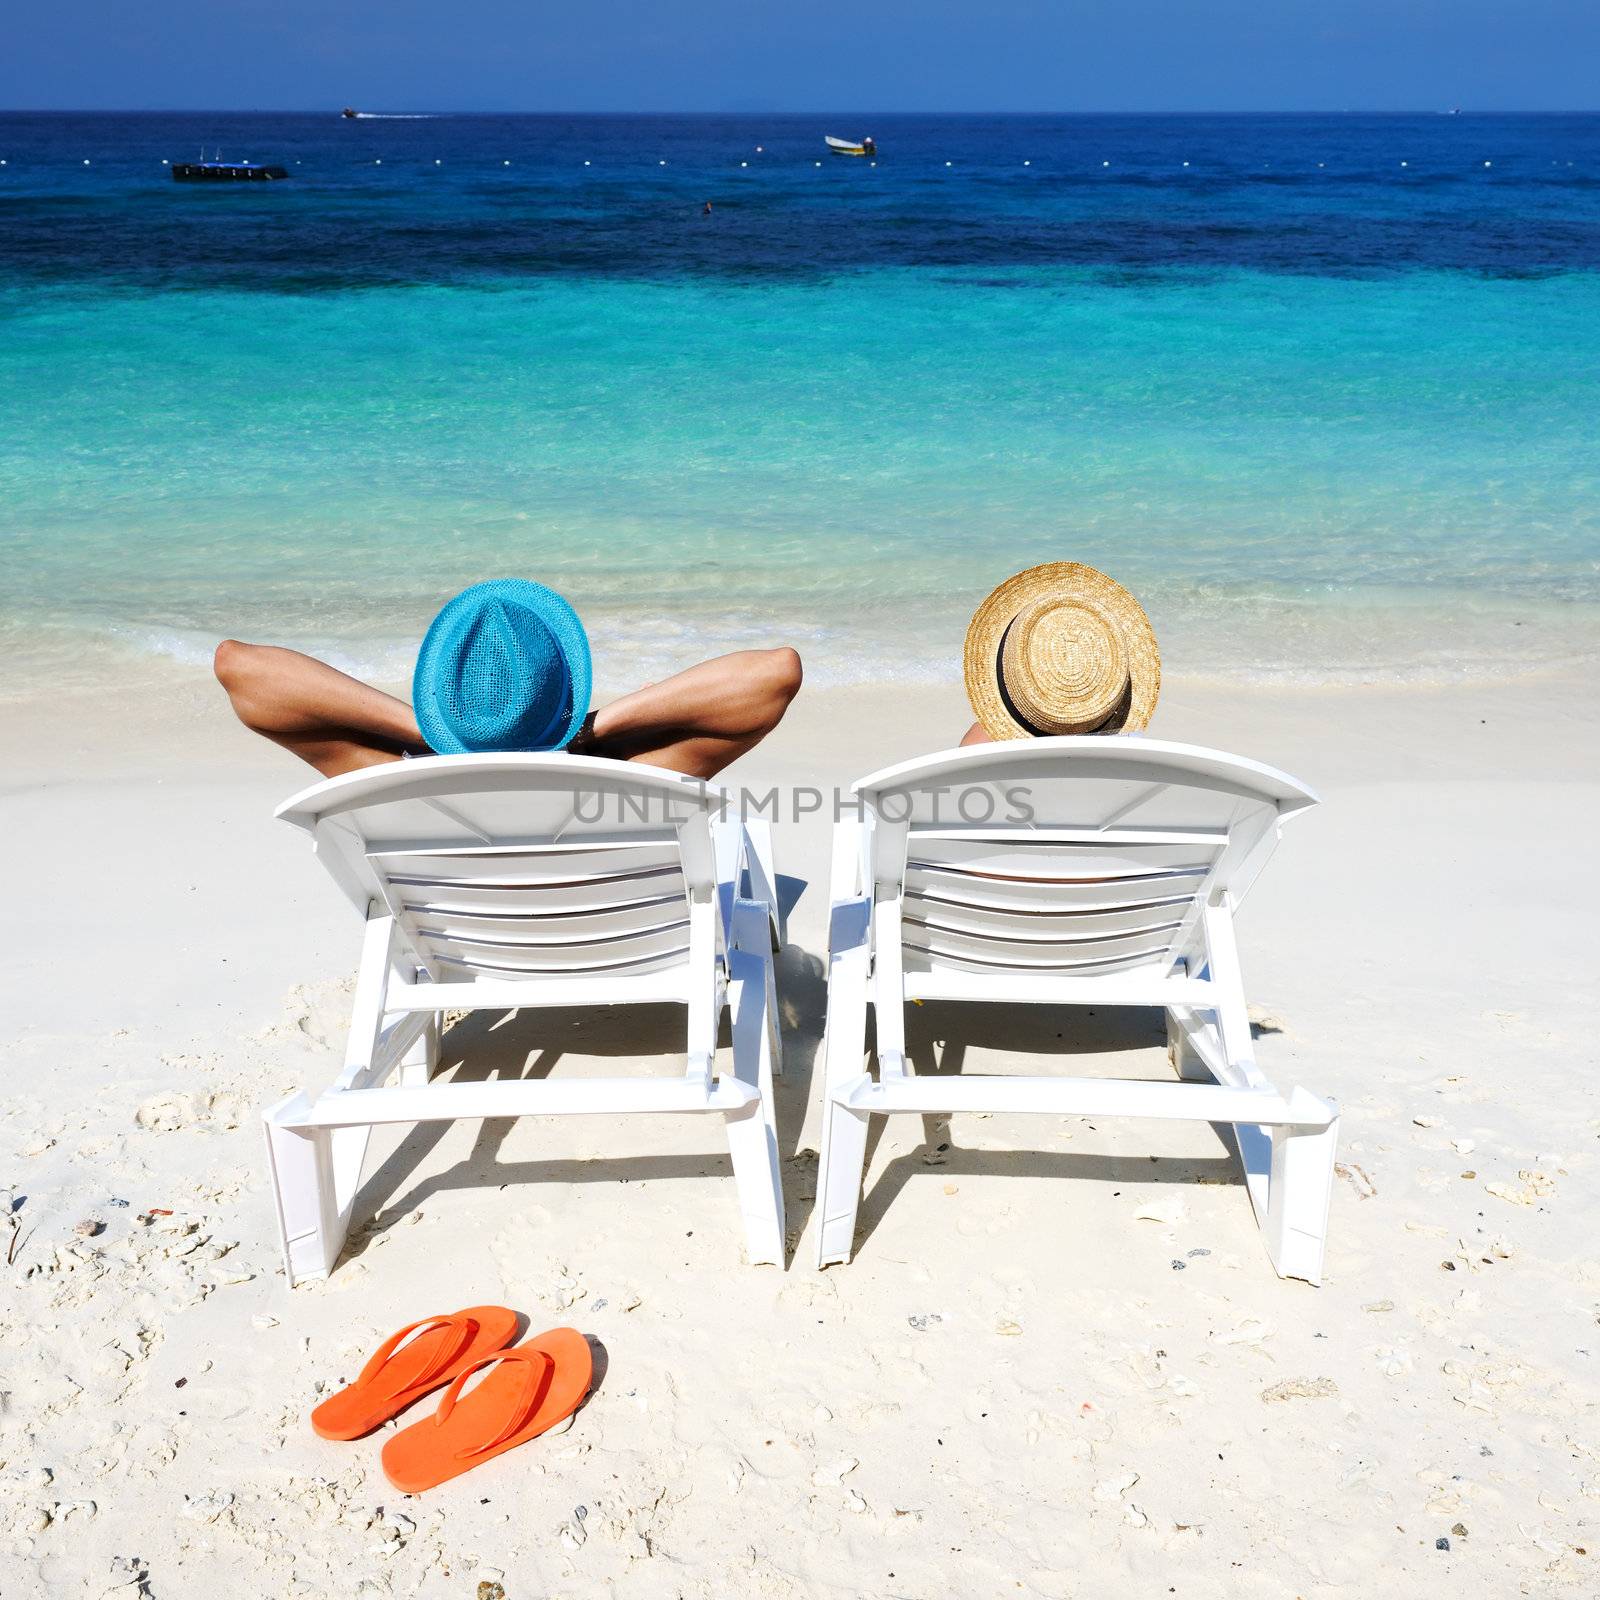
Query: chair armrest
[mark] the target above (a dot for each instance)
(744, 859)
(849, 890)
(760, 865)
(848, 874)
(849, 978)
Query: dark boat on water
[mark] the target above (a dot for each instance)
(226, 172)
(350, 111)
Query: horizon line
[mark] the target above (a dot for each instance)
(812, 111)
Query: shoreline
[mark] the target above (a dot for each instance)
(1409, 649)
(176, 713)
(175, 727)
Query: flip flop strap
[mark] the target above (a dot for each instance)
(539, 1366)
(448, 1351)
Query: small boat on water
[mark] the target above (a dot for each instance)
(350, 111)
(851, 147)
(203, 171)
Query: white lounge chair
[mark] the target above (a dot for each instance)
(503, 881)
(1118, 889)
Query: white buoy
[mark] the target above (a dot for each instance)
(505, 163)
(758, 149)
(661, 163)
(1486, 163)
(437, 162)
(586, 163)
(1186, 163)
(1405, 163)
(378, 162)
(1105, 163)
(875, 163)
(947, 163)
(819, 163)
(1322, 163)
(744, 163)
(164, 162)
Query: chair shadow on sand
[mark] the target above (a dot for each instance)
(939, 1036)
(485, 1045)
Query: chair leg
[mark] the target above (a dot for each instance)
(751, 995)
(1299, 1187)
(421, 1061)
(754, 1150)
(839, 1179)
(1184, 1057)
(753, 1131)
(304, 1166)
(766, 1069)
(759, 834)
(774, 1019)
(844, 1043)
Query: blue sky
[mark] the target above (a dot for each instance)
(775, 55)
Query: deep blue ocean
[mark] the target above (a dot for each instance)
(1322, 390)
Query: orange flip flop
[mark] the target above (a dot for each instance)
(441, 1349)
(532, 1387)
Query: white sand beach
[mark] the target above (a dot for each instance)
(1059, 1364)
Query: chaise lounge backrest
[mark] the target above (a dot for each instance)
(1072, 857)
(513, 867)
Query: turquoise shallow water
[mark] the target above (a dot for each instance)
(1308, 475)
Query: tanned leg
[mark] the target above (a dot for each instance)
(976, 734)
(694, 722)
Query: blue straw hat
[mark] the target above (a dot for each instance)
(504, 666)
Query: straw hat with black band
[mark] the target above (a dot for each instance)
(1061, 649)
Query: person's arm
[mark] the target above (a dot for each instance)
(695, 722)
(326, 717)
(698, 720)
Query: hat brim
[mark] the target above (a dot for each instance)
(1068, 580)
(555, 612)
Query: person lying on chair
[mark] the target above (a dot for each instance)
(505, 666)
